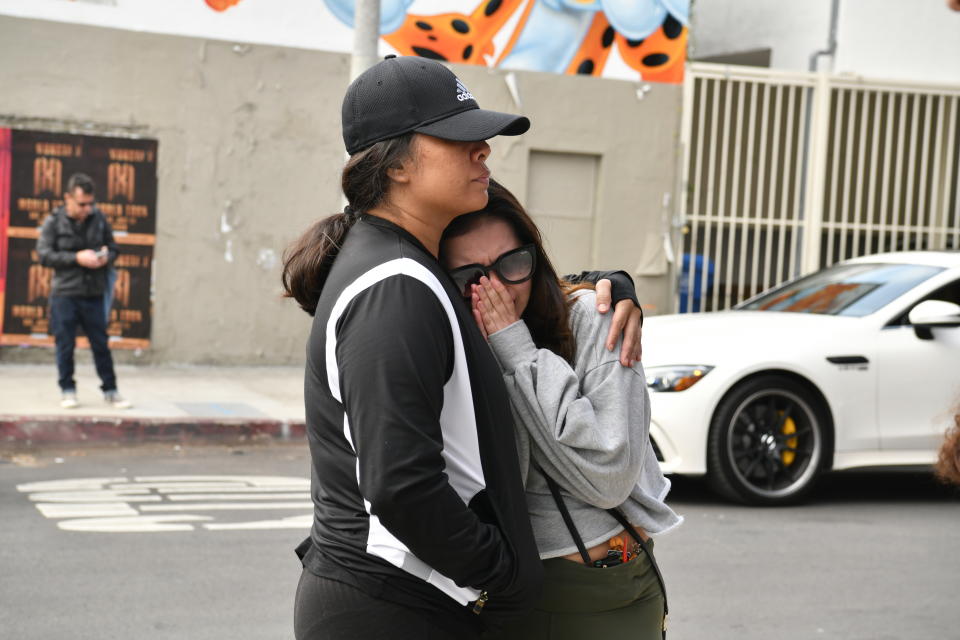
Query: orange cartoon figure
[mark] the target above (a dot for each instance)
(561, 36)
(221, 5)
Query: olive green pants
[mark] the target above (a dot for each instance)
(585, 603)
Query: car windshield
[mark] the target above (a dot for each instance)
(843, 290)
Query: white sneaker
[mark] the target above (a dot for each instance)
(115, 400)
(69, 400)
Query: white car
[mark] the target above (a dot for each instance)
(857, 365)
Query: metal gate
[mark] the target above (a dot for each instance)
(786, 173)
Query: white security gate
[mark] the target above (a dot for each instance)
(786, 173)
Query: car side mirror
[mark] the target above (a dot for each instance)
(933, 313)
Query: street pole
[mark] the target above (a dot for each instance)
(816, 115)
(366, 36)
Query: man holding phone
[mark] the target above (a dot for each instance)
(77, 242)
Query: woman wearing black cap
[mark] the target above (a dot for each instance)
(420, 527)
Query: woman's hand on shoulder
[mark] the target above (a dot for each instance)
(627, 320)
(493, 306)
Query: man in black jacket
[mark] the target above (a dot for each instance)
(76, 240)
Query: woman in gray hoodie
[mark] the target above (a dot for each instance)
(594, 489)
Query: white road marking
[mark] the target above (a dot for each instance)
(95, 496)
(68, 485)
(234, 496)
(295, 522)
(136, 524)
(256, 481)
(162, 486)
(86, 509)
(176, 489)
(117, 505)
(237, 506)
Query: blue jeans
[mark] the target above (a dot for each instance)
(66, 314)
(108, 294)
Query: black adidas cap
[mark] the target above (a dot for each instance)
(409, 93)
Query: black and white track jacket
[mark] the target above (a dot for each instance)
(415, 481)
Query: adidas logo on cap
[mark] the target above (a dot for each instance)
(462, 93)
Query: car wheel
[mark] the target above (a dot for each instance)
(767, 443)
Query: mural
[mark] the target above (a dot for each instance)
(626, 39)
(221, 5)
(648, 37)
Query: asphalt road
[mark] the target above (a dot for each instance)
(153, 542)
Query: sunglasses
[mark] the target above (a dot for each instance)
(513, 267)
(82, 205)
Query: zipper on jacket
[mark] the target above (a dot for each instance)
(481, 601)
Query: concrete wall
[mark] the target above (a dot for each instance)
(891, 39)
(250, 153)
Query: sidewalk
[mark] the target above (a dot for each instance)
(180, 404)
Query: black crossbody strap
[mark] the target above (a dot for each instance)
(622, 520)
(565, 514)
(618, 515)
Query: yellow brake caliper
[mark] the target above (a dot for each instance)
(789, 426)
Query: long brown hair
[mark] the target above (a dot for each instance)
(548, 311)
(365, 183)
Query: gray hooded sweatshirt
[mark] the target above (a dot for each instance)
(588, 427)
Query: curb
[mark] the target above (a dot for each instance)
(58, 430)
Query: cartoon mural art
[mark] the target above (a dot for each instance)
(559, 36)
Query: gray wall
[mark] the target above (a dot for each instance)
(250, 153)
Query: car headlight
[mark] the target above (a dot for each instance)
(676, 377)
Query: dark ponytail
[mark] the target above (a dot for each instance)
(307, 262)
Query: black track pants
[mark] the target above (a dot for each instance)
(329, 610)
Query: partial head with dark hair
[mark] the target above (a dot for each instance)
(80, 181)
(947, 468)
(78, 198)
(546, 308)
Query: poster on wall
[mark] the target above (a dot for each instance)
(4, 213)
(626, 39)
(32, 182)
